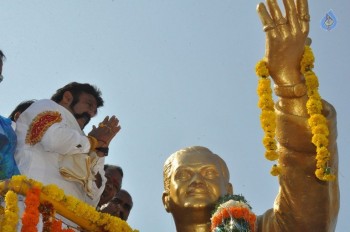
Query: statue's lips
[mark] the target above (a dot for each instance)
(197, 191)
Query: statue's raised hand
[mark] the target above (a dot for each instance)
(285, 38)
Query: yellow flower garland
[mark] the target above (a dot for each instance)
(79, 208)
(317, 122)
(268, 116)
(9, 223)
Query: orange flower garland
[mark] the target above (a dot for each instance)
(243, 213)
(233, 214)
(57, 227)
(31, 214)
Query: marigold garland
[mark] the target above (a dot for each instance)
(268, 116)
(2, 212)
(47, 211)
(233, 214)
(10, 220)
(81, 209)
(56, 226)
(317, 122)
(31, 214)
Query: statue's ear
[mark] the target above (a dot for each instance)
(229, 189)
(166, 201)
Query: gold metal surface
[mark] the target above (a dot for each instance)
(194, 179)
(304, 203)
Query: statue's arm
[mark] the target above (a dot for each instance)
(304, 203)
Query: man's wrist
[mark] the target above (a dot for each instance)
(102, 150)
(94, 143)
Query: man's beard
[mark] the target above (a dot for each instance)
(84, 116)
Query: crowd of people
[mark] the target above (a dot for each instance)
(44, 140)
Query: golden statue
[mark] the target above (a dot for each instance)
(195, 178)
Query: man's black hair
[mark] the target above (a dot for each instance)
(119, 169)
(21, 108)
(2, 56)
(76, 89)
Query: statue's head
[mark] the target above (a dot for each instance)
(194, 177)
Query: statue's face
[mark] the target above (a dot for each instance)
(196, 180)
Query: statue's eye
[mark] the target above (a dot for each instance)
(183, 175)
(210, 173)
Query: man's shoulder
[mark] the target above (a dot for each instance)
(45, 103)
(41, 107)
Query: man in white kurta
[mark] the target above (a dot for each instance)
(50, 136)
(56, 133)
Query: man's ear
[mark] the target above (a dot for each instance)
(229, 188)
(67, 99)
(16, 116)
(166, 201)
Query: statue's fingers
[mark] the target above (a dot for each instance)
(280, 21)
(268, 24)
(304, 16)
(274, 9)
(292, 15)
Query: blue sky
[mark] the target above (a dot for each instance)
(176, 73)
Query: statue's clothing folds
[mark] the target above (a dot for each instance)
(304, 203)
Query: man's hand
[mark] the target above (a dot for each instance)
(106, 131)
(285, 38)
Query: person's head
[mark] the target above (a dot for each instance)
(114, 175)
(194, 178)
(2, 58)
(82, 100)
(20, 109)
(120, 206)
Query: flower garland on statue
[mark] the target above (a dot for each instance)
(317, 122)
(9, 223)
(79, 208)
(268, 116)
(233, 214)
